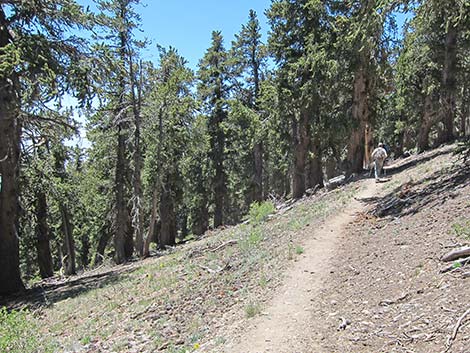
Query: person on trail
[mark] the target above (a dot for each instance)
(378, 156)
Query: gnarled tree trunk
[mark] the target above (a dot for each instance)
(427, 121)
(360, 116)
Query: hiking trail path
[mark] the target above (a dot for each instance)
(283, 325)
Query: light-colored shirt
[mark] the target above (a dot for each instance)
(379, 154)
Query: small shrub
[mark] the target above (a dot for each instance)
(252, 309)
(19, 333)
(254, 237)
(462, 230)
(259, 211)
(299, 250)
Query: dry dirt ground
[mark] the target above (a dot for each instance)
(370, 279)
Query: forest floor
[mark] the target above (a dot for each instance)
(356, 269)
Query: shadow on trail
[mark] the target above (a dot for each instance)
(46, 293)
(428, 192)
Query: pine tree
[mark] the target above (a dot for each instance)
(169, 110)
(248, 54)
(35, 46)
(213, 91)
(298, 41)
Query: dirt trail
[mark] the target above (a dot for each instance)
(283, 326)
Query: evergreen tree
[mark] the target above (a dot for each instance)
(248, 55)
(169, 110)
(298, 41)
(213, 91)
(35, 46)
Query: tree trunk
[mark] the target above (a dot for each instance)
(427, 122)
(465, 109)
(121, 211)
(122, 231)
(184, 225)
(68, 244)
(201, 221)
(137, 197)
(301, 140)
(218, 145)
(10, 132)
(448, 84)
(46, 268)
(85, 251)
(360, 116)
(102, 243)
(315, 172)
(153, 220)
(167, 235)
(257, 194)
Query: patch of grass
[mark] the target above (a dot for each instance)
(259, 211)
(252, 239)
(462, 229)
(252, 309)
(19, 333)
(299, 250)
(263, 282)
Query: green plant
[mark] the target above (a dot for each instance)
(252, 309)
(462, 230)
(259, 211)
(299, 250)
(19, 333)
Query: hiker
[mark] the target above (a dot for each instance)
(378, 156)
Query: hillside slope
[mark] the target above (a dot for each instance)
(355, 269)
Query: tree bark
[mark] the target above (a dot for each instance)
(426, 124)
(122, 231)
(10, 277)
(258, 172)
(68, 242)
(360, 116)
(449, 84)
(201, 222)
(153, 221)
(167, 235)
(315, 172)
(46, 268)
(219, 182)
(121, 211)
(10, 132)
(465, 108)
(102, 243)
(301, 140)
(137, 197)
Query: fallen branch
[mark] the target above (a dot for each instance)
(210, 270)
(456, 265)
(456, 254)
(451, 338)
(390, 302)
(233, 241)
(466, 275)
